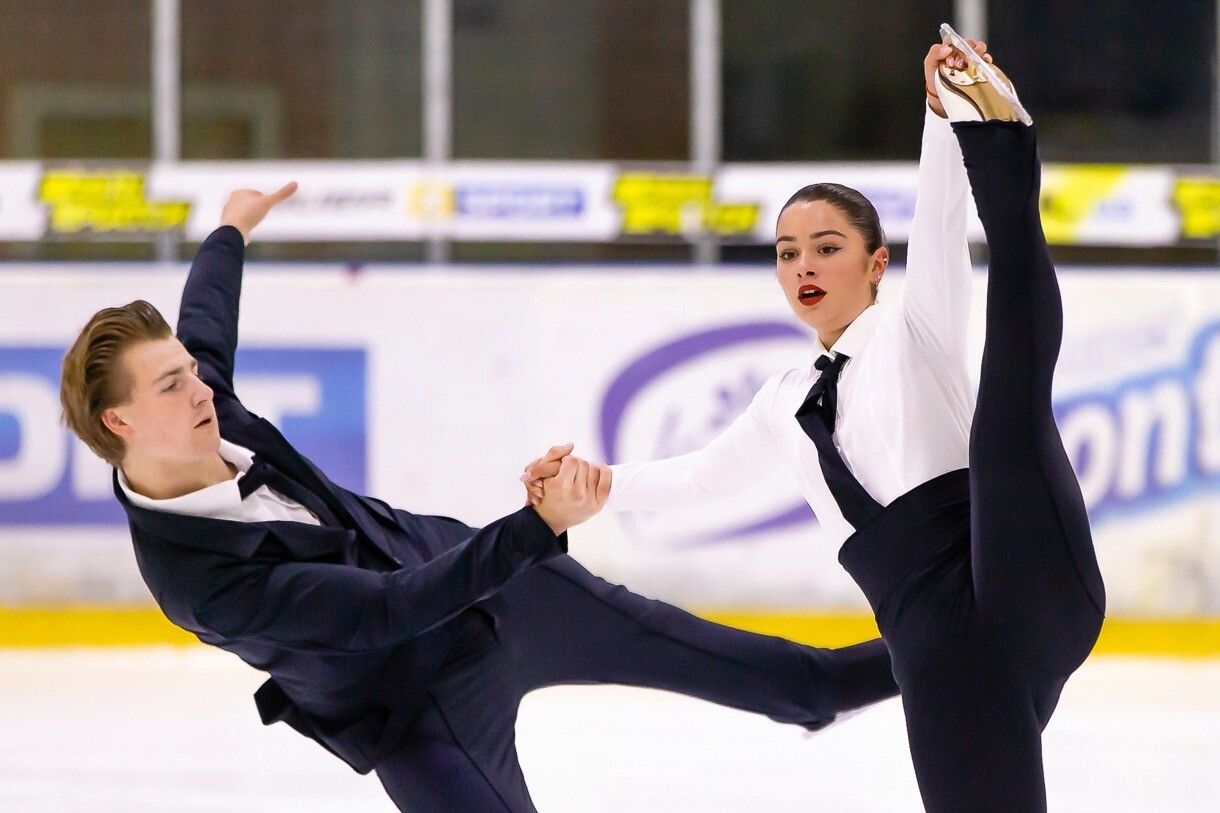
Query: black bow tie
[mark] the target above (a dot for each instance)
(823, 397)
(262, 473)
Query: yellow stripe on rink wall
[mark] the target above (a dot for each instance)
(88, 626)
(141, 626)
(1186, 638)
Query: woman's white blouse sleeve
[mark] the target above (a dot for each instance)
(741, 455)
(936, 291)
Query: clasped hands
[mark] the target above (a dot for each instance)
(565, 490)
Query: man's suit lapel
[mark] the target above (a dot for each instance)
(261, 437)
(240, 539)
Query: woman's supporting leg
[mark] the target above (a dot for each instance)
(975, 737)
(1035, 571)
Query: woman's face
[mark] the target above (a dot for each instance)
(823, 266)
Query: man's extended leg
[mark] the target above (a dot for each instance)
(561, 624)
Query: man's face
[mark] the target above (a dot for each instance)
(169, 416)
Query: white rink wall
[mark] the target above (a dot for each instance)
(432, 388)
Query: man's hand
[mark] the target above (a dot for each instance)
(246, 208)
(543, 468)
(576, 492)
(547, 466)
(947, 54)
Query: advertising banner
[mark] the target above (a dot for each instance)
(107, 203)
(334, 201)
(483, 200)
(1082, 204)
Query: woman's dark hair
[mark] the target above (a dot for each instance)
(858, 210)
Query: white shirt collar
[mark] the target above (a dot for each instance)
(221, 498)
(857, 334)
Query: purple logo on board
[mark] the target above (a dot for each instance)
(728, 365)
(1138, 443)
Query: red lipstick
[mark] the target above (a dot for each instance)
(810, 294)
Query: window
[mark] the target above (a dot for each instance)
(301, 79)
(820, 80)
(74, 80)
(1115, 81)
(571, 79)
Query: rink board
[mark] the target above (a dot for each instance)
(433, 388)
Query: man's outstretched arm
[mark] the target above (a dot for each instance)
(207, 318)
(312, 606)
(318, 607)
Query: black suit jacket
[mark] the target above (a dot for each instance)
(351, 623)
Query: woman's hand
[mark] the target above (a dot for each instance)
(576, 492)
(947, 55)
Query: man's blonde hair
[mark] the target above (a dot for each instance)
(93, 379)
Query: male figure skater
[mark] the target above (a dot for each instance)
(402, 643)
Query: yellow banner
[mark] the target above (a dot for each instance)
(1198, 199)
(1071, 194)
(678, 205)
(106, 201)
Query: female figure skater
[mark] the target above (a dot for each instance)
(962, 523)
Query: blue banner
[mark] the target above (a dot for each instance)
(316, 396)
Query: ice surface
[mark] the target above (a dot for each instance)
(175, 731)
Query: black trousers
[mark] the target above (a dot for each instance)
(1030, 538)
(559, 624)
(984, 580)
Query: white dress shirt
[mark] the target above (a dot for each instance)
(223, 500)
(905, 400)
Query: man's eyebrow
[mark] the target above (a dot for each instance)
(176, 371)
(168, 374)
